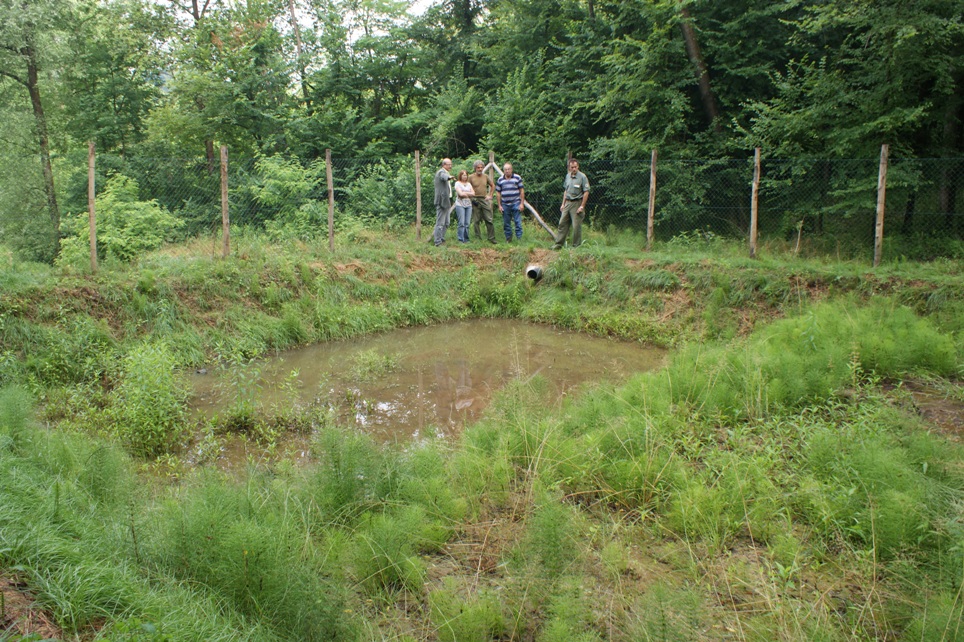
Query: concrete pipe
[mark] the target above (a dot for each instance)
(534, 272)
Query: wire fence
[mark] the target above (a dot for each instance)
(829, 203)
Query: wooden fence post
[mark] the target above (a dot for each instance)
(225, 218)
(331, 201)
(90, 207)
(755, 202)
(492, 169)
(881, 198)
(418, 196)
(650, 217)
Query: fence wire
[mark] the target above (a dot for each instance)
(825, 201)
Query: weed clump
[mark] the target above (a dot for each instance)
(149, 406)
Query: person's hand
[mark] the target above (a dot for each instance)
(580, 209)
(562, 207)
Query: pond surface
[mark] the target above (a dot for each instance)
(416, 382)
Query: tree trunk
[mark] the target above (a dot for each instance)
(33, 87)
(947, 191)
(707, 97)
(907, 227)
(299, 51)
(209, 150)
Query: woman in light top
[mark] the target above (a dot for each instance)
(463, 205)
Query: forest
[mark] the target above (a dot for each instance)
(159, 85)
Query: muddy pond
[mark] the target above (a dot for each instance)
(413, 383)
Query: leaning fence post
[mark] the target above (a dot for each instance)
(652, 202)
(755, 202)
(418, 196)
(881, 197)
(90, 207)
(331, 201)
(225, 219)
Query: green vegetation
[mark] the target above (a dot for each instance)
(776, 480)
(818, 87)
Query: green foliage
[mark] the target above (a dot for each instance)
(238, 542)
(569, 618)
(459, 618)
(871, 486)
(808, 358)
(15, 407)
(126, 226)
(370, 365)
(149, 406)
(732, 496)
(386, 551)
(550, 538)
(381, 194)
(286, 194)
(350, 476)
(490, 296)
(666, 613)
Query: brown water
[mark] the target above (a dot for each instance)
(438, 378)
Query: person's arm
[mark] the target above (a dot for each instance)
(490, 187)
(522, 198)
(563, 204)
(585, 194)
(498, 197)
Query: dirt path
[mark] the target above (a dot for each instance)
(20, 616)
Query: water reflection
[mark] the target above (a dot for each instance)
(425, 381)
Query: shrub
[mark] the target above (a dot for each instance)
(126, 226)
(385, 556)
(149, 405)
(459, 619)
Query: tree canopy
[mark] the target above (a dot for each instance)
(542, 78)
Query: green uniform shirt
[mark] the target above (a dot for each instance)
(575, 187)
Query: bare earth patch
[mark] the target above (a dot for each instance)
(20, 616)
(938, 408)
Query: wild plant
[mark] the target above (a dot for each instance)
(148, 406)
(550, 541)
(666, 613)
(386, 551)
(15, 409)
(370, 365)
(465, 618)
(351, 477)
(242, 385)
(243, 544)
(127, 226)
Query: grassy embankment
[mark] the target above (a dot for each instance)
(769, 483)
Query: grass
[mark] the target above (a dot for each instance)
(764, 485)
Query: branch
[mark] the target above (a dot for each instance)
(14, 77)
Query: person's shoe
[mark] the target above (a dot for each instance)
(492, 241)
(557, 247)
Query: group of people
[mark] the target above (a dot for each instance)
(473, 203)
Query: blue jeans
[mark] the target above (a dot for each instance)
(510, 215)
(463, 214)
(442, 217)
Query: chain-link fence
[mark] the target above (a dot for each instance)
(830, 203)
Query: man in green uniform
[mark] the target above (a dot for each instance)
(575, 193)
(482, 203)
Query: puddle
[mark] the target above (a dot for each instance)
(416, 382)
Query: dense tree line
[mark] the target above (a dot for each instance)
(536, 78)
